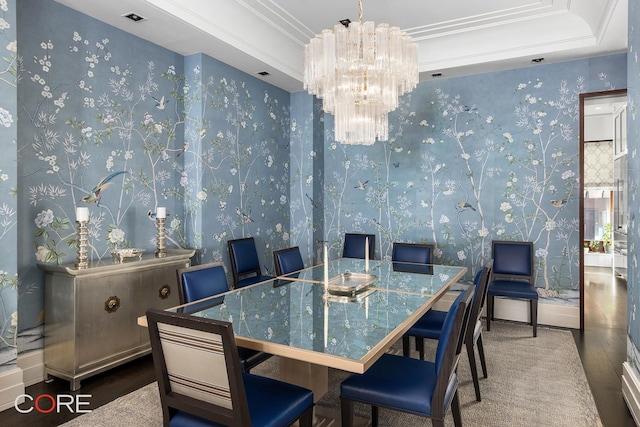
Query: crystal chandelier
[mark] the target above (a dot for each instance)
(359, 71)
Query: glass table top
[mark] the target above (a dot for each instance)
(294, 315)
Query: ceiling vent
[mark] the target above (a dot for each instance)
(134, 17)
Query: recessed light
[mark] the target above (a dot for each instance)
(264, 73)
(537, 60)
(134, 17)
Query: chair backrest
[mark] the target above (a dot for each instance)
(287, 260)
(412, 257)
(489, 266)
(481, 284)
(181, 346)
(354, 245)
(512, 260)
(201, 281)
(450, 345)
(244, 258)
(463, 299)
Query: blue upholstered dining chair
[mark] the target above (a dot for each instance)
(354, 245)
(287, 260)
(201, 281)
(201, 382)
(411, 385)
(430, 326)
(245, 265)
(412, 257)
(206, 280)
(513, 277)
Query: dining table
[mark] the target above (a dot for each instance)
(342, 314)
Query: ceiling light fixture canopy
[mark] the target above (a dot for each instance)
(359, 71)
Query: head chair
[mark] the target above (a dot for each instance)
(412, 257)
(354, 245)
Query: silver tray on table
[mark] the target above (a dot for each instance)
(349, 283)
(357, 297)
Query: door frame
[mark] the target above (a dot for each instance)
(583, 97)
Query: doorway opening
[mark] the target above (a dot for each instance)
(602, 210)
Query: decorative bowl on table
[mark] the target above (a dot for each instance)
(121, 254)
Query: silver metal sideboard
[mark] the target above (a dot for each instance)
(91, 314)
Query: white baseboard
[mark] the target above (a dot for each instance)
(548, 314)
(11, 386)
(594, 259)
(631, 390)
(32, 365)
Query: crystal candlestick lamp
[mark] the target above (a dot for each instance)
(82, 218)
(161, 217)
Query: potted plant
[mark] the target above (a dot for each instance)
(606, 237)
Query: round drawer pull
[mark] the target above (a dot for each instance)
(112, 304)
(165, 291)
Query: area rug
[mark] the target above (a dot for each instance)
(532, 382)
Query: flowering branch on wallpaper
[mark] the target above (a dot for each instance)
(135, 122)
(8, 320)
(527, 157)
(235, 164)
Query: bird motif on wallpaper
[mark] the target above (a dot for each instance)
(160, 103)
(361, 185)
(313, 204)
(461, 206)
(245, 216)
(184, 148)
(559, 203)
(95, 194)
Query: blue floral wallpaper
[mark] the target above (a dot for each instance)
(473, 159)
(234, 181)
(122, 126)
(8, 185)
(633, 96)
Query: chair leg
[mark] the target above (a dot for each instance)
(346, 412)
(483, 362)
(489, 311)
(534, 316)
(455, 410)
(306, 420)
(406, 344)
(374, 416)
(420, 346)
(474, 368)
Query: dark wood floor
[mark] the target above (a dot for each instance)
(603, 343)
(602, 348)
(102, 388)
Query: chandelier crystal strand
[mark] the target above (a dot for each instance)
(359, 72)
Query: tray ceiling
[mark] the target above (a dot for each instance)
(454, 38)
